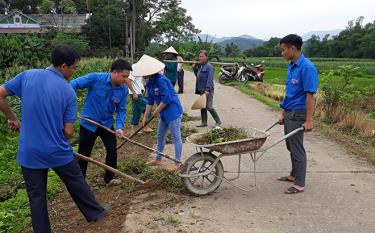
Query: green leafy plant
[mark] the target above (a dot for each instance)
(219, 135)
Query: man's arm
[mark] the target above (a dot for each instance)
(68, 130)
(121, 116)
(281, 117)
(130, 85)
(70, 116)
(84, 81)
(310, 109)
(13, 122)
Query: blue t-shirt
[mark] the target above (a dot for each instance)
(301, 77)
(102, 100)
(160, 89)
(47, 102)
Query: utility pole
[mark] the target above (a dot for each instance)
(109, 29)
(126, 12)
(133, 30)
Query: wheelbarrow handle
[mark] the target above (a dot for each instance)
(273, 125)
(284, 138)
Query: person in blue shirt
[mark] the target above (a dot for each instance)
(205, 86)
(106, 95)
(161, 92)
(297, 107)
(49, 110)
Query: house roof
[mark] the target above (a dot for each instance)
(51, 20)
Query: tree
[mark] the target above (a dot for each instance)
(232, 50)
(162, 21)
(313, 48)
(26, 6)
(105, 28)
(269, 48)
(67, 7)
(46, 7)
(3, 6)
(154, 21)
(356, 41)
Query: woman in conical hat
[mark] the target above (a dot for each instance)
(171, 71)
(161, 92)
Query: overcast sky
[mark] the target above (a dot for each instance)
(266, 18)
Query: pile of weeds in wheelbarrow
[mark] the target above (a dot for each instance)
(219, 135)
(138, 168)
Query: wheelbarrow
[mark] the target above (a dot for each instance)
(204, 172)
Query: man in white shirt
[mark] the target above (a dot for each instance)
(138, 105)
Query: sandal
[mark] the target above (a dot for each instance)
(285, 178)
(293, 190)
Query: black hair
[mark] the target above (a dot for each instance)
(292, 39)
(204, 52)
(120, 65)
(64, 54)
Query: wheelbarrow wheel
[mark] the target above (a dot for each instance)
(200, 163)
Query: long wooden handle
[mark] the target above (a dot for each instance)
(108, 168)
(133, 134)
(130, 140)
(197, 62)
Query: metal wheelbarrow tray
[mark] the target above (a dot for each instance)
(256, 139)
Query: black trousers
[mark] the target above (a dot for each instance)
(86, 143)
(71, 175)
(180, 81)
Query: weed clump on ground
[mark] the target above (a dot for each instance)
(138, 168)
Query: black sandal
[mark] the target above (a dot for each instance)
(285, 178)
(293, 190)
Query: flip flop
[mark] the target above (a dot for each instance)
(285, 178)
(293, 190)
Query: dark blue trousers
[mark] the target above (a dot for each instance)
(71, 175)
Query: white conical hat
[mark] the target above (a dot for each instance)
(147, 66)
(171, 50)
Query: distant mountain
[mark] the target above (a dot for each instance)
(321, 34)
(209, 38)
(248, 37)
(243, 43)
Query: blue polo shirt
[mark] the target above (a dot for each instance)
(102, 100)
(301, 77)
(160, 89)
(47, 102)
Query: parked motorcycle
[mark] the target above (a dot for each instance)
(235, 72)
(254, 73)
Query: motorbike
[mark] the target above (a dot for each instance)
(234, 72)
(254, 73)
